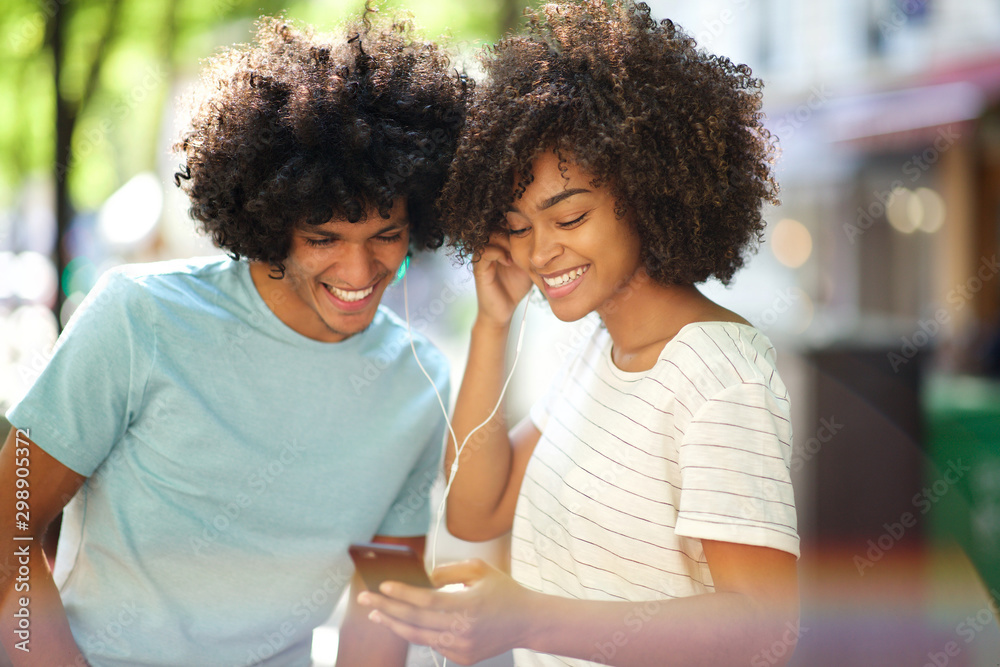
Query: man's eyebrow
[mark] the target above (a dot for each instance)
(391, 227)
(554, 199)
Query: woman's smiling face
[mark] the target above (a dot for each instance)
(565, 234)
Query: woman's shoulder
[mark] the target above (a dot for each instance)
(724, 353)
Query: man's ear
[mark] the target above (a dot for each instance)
(401, 271)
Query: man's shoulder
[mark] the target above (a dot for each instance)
(150, 292)
(175, 271)
(390, 332)
(387, 324)
(170, 279)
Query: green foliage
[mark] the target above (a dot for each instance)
(24, 106)
(122, 58)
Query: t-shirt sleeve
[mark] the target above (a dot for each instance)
(410, 513)
(86, 396)
(735, 460)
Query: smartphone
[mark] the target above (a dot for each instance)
(378, 562)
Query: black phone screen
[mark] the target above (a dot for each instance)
(377, 562)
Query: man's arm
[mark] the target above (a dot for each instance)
(25, 578)
(367, 644)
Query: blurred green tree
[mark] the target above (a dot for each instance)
(84, 82)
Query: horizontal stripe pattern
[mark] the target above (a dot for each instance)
(633, 470)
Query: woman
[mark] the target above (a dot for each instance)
(614, 166)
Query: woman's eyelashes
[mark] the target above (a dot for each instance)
(561, 225)
(571, 223)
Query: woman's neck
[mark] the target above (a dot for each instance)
(644, 315)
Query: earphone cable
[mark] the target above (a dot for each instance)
(458, 448)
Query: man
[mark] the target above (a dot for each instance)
(199, 417)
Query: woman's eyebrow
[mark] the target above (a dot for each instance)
(565, 194)
(554, 199)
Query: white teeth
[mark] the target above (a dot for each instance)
(565, 278)
(354, 295)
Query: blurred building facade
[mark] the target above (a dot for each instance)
(887, 113)
(880, 286)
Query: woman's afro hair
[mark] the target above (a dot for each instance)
(675, 133)
(298, 129)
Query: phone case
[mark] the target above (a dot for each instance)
(388, 562)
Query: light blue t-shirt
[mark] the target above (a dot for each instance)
(231, 461)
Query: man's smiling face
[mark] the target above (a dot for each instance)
(335, 274)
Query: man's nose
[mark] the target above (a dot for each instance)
(356, 266)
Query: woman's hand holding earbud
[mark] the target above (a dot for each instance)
(500, 284)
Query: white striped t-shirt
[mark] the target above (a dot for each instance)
(633, 470)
